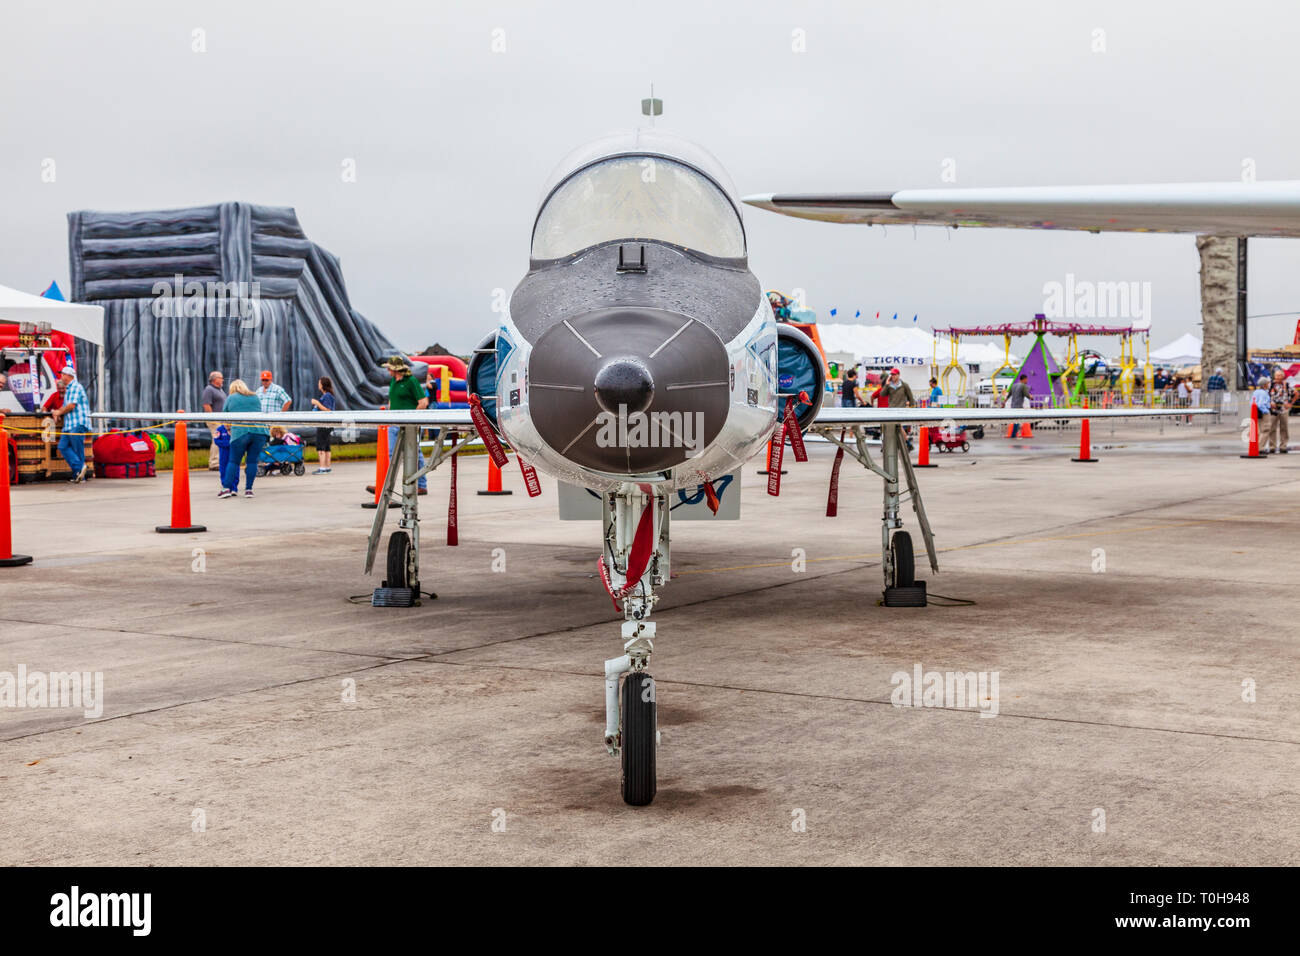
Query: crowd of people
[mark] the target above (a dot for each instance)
(1273, 398)
(892, 391)
(235, 444)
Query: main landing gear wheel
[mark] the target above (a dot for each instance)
(900, 549)
(638, 738)
(400, 559)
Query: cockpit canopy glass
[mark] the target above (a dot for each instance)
(638, 197)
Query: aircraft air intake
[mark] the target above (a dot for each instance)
(629, 390)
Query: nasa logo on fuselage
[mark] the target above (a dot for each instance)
(785, 381)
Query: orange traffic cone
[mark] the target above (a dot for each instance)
(381, 467)
(1007, 433)
(494, 480)
(7, 557)
(1085, 440)
(1027, 431)
(1253, 448)
(180, 486)
(923, 449)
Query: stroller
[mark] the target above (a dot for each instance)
(286, 459)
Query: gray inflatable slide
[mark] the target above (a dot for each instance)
(232, 287)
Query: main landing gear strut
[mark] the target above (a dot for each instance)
(401, 587)
(896, 553)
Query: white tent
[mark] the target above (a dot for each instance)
(1185, 350)
(83, 321)
(877, 345)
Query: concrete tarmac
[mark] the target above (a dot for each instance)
(1140, 616)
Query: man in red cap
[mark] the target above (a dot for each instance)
(272, 396)
(896, 393)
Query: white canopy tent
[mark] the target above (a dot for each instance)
(912, 349)
(881, 344)
(1185, 350)
(81, 321)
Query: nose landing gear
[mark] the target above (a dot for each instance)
(631, 710)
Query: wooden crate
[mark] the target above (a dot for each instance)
(38, 459)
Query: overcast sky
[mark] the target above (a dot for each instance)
(452, 140)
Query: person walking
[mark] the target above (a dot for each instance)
(246, 441)
(1264, 403)
(1016, 398)
(213, 400)
(1281, 398)
(1184, 397)
(404, 394)
(272, 397)
(325, 403)
(896, 393)
(1217, 387)
(849, 389)
(936, 393)
(72, 419)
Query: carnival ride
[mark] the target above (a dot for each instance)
(1049, 382)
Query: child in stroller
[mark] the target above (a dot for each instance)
(283, 453)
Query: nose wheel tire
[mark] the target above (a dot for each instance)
(900, 549)
(400, 560)
(638, 738)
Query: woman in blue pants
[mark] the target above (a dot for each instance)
(246, 441)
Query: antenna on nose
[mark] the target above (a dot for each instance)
(652, 107)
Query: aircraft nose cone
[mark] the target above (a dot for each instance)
(624, 382)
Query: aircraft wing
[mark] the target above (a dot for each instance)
(428, 417)
(1226, 209)
(919, 416)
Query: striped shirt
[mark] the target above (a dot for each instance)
(77, 418)
(272, 397)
